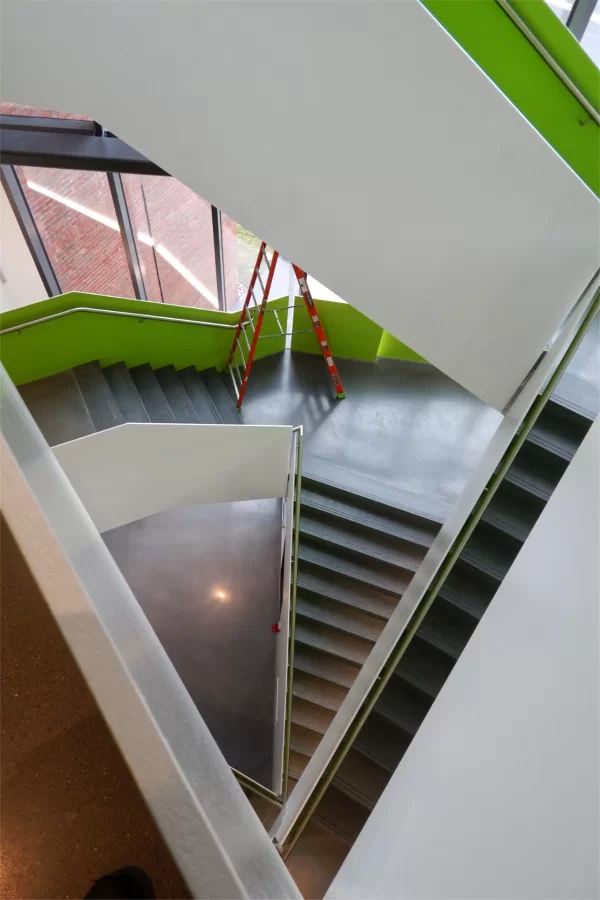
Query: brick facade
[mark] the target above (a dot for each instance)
(88, 254)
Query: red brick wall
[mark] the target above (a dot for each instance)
(88, 255)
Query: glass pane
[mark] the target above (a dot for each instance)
(240, 249)
(591, 38)
(75, 217)
(562, 8)
(174, 237)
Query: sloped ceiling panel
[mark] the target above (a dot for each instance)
(358, 138)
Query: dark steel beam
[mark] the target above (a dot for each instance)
(64, 150)
(579, 17)
(20, 207)
(118, 196)
(43, 123)
(218, 242)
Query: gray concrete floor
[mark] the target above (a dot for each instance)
(405, 433)
(208, 579)
(580, 385)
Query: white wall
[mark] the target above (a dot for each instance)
(126, 473)
(358, 139)
(20, 282)
(497, 796)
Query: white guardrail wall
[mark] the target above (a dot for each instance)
(216, 839)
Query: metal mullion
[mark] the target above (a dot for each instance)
(133, 263)
(579, 17)
(218, 244)
(18, 201)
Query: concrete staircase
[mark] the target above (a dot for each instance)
(353, 570)
(357, 556)
(90, 398)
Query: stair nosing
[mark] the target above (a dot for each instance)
(526, 486)
(372, 584)
(344, 628)
(353, 548)
(379, 616)
(357, 520)
(307, 477)
(328, 652)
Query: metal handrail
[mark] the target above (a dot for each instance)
(111, 312)
(549, 59)
(298, 430)
(432, 573)
(290, 578)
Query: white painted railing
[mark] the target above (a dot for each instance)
(125, 473)
(215, 838)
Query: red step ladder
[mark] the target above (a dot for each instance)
(252, 317)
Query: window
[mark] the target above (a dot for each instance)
(240, 251)
(75, 216)
(562, 8)
(174, 238)
(591, 37)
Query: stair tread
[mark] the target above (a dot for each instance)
(97, 395)
(361, 778)
(420, 532)
(57, 405)
(513, 511)
(490, 551)
(317, 690)
(424, 667)
(382, 742)
(310, 660)
(313, 576)
(153, 397)
(346, 618)
(177, 396)
(310, 716)
(343, 646)
(220, 397)
(402, 706)
(345, 564)
(468, 589)
(361, 502)
(200, 399)
(535, 473)
(340, 814)
(559, 437)
(126, 394)
(447, 628)
(336, 532)
(303, 740)
(297, 763)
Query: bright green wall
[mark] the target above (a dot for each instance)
(487, 34)
(351, 334)
(52, 346)
(391, 348)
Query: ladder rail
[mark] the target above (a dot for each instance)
(319, 331)
(247, 318)
(256, 335)
(249, 296)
